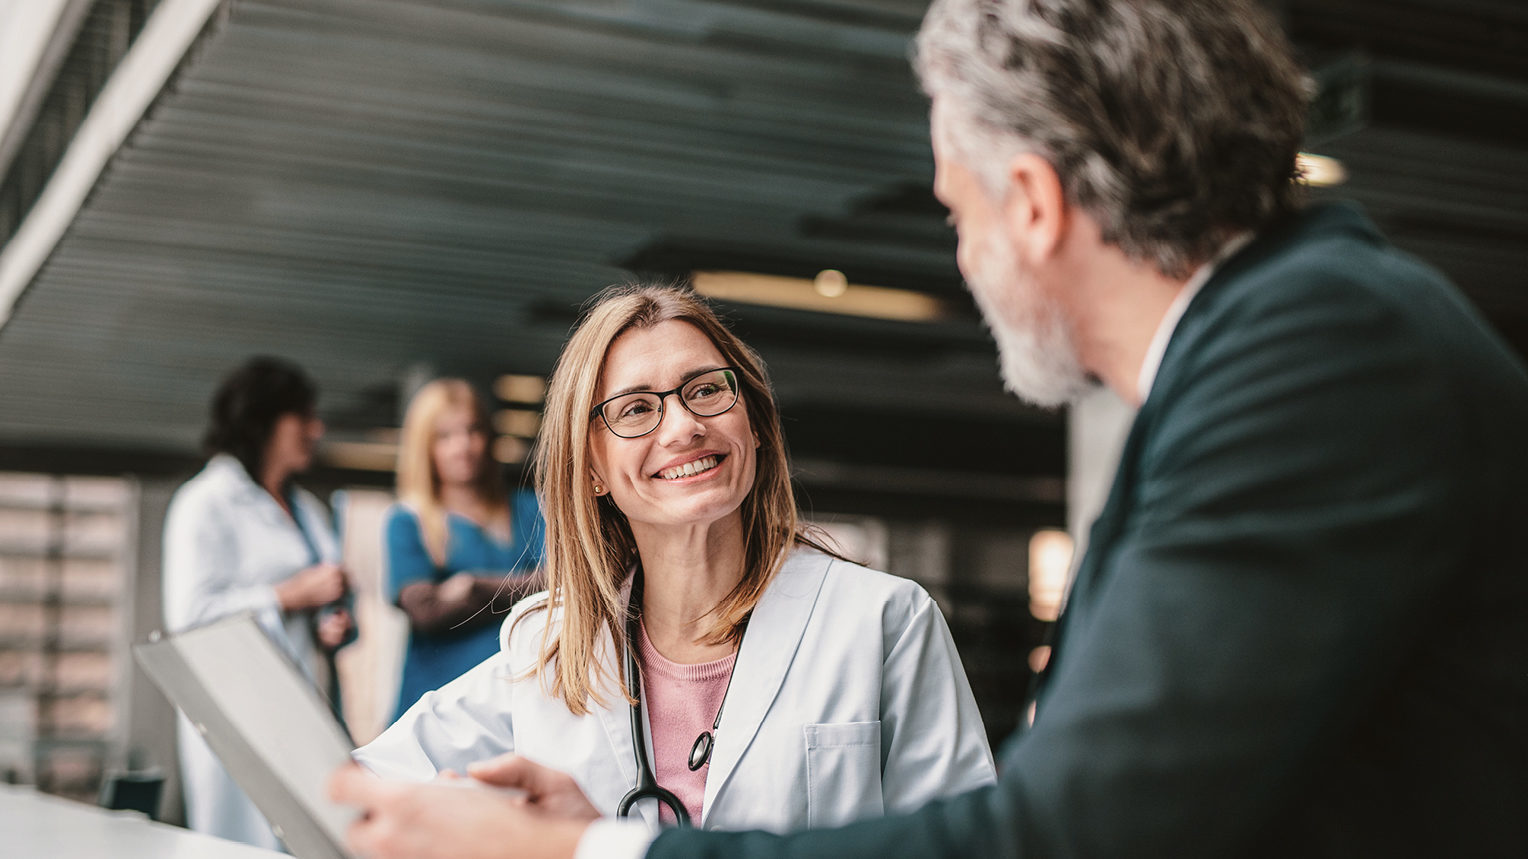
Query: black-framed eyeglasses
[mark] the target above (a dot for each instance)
(635, 414)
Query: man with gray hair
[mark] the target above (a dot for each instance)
(1301, 625)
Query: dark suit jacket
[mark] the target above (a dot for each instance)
(1301, 626)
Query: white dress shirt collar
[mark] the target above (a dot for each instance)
(1169, 323)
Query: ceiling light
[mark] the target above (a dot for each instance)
(513, 388)
(1050, 562)
(1320, 171)
(831, 283)
(518, 422)
(510, 450)
(850, 299)
(1039, 658)
(359, 455)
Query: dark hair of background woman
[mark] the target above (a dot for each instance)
(249, 402)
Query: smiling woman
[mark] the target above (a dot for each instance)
(699, 655)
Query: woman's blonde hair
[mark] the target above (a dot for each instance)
(418, 479)
(589, 546)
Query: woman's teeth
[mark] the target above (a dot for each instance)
(705, 463)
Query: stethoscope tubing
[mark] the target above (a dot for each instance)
(647, 784)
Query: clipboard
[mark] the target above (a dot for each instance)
(264, 721)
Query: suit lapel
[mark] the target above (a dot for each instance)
(769, 647)
(1101, 536)
(1106, 528)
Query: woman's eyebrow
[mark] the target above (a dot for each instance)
(641, 389)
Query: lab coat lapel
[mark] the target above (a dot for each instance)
(258, 504)
(615, 717)
(253, 496)
(769, 646)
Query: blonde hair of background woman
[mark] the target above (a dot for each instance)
(589, 546)
(418, 480)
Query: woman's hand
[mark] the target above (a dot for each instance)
(468, 599)
(333, 628)
(404, 820)
(310, 588)
(456, 589)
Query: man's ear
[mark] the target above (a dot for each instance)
(1035, 209)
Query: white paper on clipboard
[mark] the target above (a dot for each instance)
(264, 720)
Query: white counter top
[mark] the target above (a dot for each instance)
(39, 826)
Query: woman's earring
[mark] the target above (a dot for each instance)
(598, 489)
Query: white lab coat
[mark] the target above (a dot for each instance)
(227, 543)
(848, 701)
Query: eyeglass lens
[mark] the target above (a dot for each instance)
(706, 395)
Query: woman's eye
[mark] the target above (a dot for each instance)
(636, 409)
(709, 389)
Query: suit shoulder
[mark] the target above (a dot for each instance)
(1331, 272)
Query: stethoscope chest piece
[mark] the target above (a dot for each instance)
(700, 753)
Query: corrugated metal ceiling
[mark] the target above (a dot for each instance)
(370, 185)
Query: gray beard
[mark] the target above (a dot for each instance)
(1038, 362)
(1039, 365)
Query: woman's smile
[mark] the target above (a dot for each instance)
(700, 467)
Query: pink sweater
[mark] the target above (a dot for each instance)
(681, 702)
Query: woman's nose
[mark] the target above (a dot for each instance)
(676, 423)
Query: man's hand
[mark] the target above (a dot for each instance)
(553, 792)
(405, 820)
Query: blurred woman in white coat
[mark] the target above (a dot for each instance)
(699, 657)
(241, 536)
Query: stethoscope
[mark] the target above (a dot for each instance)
(700, 754)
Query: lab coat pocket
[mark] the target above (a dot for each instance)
(843, 772)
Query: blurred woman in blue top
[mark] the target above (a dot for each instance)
(459, 552)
